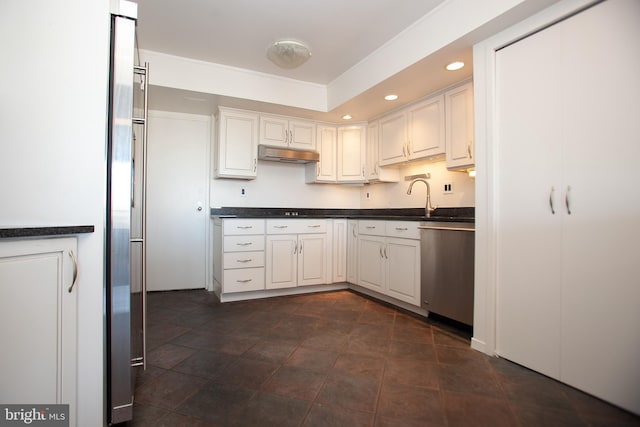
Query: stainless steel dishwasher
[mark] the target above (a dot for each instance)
(446, 273)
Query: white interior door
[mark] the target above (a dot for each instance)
(177, 194)
(528, 180)
(601, 260)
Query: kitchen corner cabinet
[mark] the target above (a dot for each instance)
(351, 154)
(236, 147)
(413, 133)
(459, 133)
(373, 172)
(287, 132)
(38, 321)
(239, 255)
(296, 253)
(324, 171)
(389, 259)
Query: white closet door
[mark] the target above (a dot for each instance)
(528, 177)
(177, 169)
(601, 259)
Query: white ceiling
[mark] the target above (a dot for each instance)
(340, 34)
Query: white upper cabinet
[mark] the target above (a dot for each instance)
(325, 169)
(236, 148)
(426, 129)
(351, 155)
(413, 133)
(373, 171)
(393, 139)
(287, 132)
(459, 127)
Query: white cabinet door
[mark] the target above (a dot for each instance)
(351, 153)
(237, 144)
(302, 135)
(393, 139)
(282, 261)
(325, 169)
(371, 265)
(425, 122)
(38, 327)
(373, 171)
(177, 200)
(403, 269)
(312, 259)
(338, 251)
(459, 127)
(274, 131)
(352, 251)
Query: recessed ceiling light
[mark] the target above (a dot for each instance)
(455, 66)
(391, 97)
(347, 117)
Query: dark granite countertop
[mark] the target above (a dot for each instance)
(462, 214)
(30, 231)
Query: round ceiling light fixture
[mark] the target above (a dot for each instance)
(288, 54)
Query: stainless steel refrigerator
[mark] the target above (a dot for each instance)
(125, 222)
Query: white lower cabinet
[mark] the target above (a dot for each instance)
(38, 322)
(239, 256)
(388, 254)
(296, 259)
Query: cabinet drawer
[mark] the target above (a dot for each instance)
(243, 280)
(243, 226)
(243, 259)
(371, 227)
(403, 229)
(296, 226)
(243, 243)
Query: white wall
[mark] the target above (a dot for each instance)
(283, 185)
(53, 97)
(394, 195)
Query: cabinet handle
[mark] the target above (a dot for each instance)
(408, 148)
(370, 227)
(553, 211)
(244, 227)
(313, 226)
(300, 252)
(404, 150)
(244, 260)
(469, 150)
(244, 281)
(255, 165)
(244, 243)
(567, 200)
(385, 252)
(381, 256)
(363, 171)
(401, 228)
(353, 231)
(75, 270)
(295, 249)
(280, 226)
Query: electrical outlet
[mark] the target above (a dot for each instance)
(448, 188)
(367, 194)
(243, 192)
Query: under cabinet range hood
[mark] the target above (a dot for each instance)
(277, 154)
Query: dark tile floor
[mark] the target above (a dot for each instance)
(335, 359)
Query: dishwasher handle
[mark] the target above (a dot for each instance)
(440, 227)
